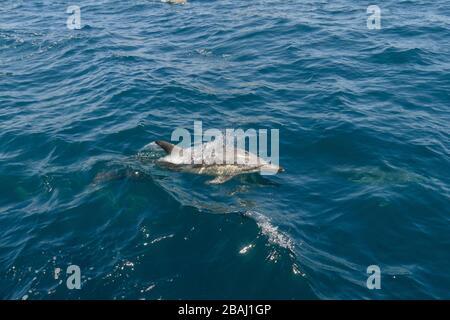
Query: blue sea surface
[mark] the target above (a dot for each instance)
(364, 126)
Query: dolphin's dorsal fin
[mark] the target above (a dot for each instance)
(167, 146)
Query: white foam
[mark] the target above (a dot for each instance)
(274, 235)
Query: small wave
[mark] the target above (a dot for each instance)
(399, 56)
(274, 235)
(161, 238)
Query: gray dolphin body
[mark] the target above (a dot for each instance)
(175, 1)
(208, 159)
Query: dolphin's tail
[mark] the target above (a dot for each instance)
(168, 147)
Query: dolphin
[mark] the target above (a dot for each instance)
(210, 159)
(175, 1)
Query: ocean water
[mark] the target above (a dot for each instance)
(364, 139)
